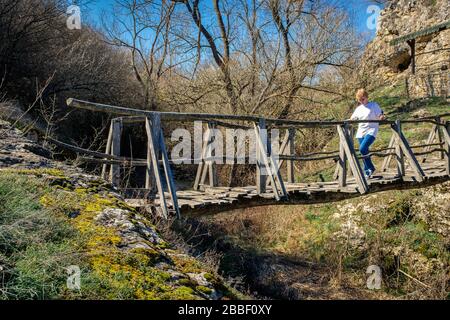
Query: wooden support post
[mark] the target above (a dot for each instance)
(287, 148)
(351, 134)
(260, 134)
(104, 174)
(270, 164)
(387, 160)
(275, 176)
(115, 150)
(290, 169)
(355, 166)
(207, 168)
(152, 152)
(211, 168)
(199, 174)
(399, 154)
(342, 163)
(440, 136)
(170, 181)
(430, 140)
(446, 137)
(403, 150)
(150, 178)
(412, 44)
(336, 169)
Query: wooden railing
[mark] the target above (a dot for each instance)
(159, 170)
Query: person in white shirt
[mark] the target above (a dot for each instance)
(367, 131)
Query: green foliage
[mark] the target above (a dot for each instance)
(35, 244)
(40, 238)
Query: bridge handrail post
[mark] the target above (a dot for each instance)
(170, 181)
(152, 127)
(267, 163)
(211, 168)
(261, 178)
(287, 148)
(403, 149)
(117, 127)
(154, 124)
(342, 161)
(104, 174)
(446, 137)
(387, 160)
(350, 152)
(440, 135)
(398, 150)
(206, 167)
(290, 170)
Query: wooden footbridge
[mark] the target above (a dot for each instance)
(276, 178)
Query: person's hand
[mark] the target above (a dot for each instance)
(382, 117)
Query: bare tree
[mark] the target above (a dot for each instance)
(143, 27)
(221, 58)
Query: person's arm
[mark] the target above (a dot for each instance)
(381, 115)
(354, 115)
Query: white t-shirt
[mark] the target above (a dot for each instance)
(371, 111)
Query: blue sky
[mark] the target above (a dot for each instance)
(357, 9)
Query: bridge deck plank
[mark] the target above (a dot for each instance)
(208, 199)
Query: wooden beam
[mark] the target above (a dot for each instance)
(290, 170)
(153, 155)
(400, 159)
(211, 165)
(430, 139)
(207, 168)
(336, 169)
(270, 164)
(170, 181)
(404, 149)
(107, 151)
(446, 138)
(201, 165)
(286, 149)
(180, 116)
(353, 161)
(115, 151)
(261, 152)
(342, 164)
(388, 159)
(150, 178)
(276, 174)
(412, 44)
(440, 135)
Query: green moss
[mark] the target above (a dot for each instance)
(187, 264)
(182, 293)
(39, 172)
(107, 271)
(208, 276)
(187, 283)
(203, 289)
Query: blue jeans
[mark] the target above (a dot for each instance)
(364, 144)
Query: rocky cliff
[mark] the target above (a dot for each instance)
(388, 63)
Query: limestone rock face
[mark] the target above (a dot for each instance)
(387, 63)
